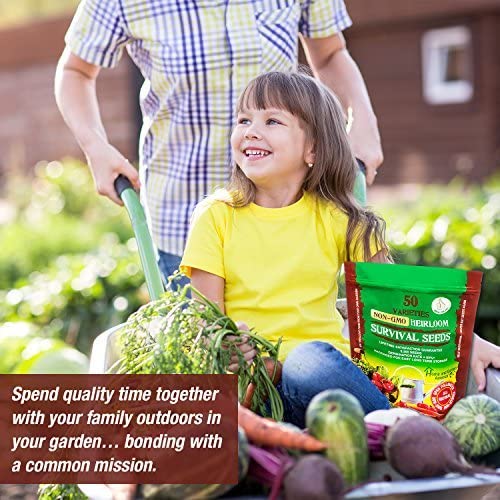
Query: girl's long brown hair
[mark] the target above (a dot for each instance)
(334, 172)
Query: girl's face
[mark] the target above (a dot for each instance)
(270, 147)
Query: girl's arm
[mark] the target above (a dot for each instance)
(212, 287)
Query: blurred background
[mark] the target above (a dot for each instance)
(69, 268)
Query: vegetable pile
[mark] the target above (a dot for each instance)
(184, 332)
(415, 445)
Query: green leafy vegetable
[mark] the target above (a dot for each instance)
(60, 492)
(187, 334)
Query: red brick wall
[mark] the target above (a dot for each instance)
(31, 128)
(367, 12)
(422, 142)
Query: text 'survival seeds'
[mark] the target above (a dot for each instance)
(411, 331)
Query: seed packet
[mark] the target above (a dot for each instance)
(410, 330)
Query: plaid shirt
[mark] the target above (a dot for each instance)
(196, 57)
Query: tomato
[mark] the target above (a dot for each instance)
(429, 412)
(388, 385)
(423, 405)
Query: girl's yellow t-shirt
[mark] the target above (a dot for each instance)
(280, 266)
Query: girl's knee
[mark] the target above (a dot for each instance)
(316, 366)
(311, 364)
(312, 356)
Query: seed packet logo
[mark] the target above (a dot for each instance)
(441, 305)
(443, 395)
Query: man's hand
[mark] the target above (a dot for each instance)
(333, 65)
(365, 142)
(484, 354)
(106, 163)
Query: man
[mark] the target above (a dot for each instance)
(196, 57)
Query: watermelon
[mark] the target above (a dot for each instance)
(337, 418)
(475, 423)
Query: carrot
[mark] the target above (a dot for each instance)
(274, 369)
(247, 401)
(267, 432)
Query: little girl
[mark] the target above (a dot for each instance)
(269, 247)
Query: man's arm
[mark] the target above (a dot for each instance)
(333, 65)
(75, 91)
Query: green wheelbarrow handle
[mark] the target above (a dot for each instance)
(359, 190)
(147, 252)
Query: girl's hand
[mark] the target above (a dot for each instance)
(484, 354)
(247, 350)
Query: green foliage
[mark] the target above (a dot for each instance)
(69, 264)
(454, 226)
(184, 332)
(26, 351)
(76, 297)
(60, 492)
(14, 338)
(57, 212)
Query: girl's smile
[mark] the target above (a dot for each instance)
(270, 147)
(254, 154)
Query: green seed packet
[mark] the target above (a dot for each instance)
(410, 331)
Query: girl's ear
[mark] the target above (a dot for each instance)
(310, 156)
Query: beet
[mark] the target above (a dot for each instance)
(313, 477)
(420, 447)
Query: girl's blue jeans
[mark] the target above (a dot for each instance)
(313, 367)
(309, 369)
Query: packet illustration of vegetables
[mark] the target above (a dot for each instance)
(410, 330)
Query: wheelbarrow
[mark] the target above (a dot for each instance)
(106, 352)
